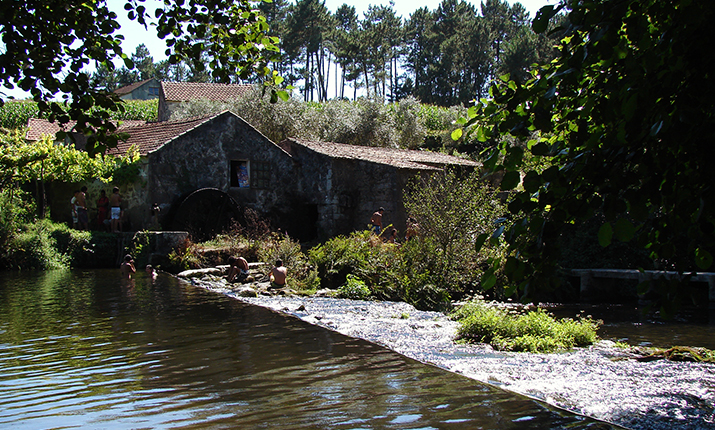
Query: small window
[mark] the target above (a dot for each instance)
(260, 174)
(154, 91)
(239, 174)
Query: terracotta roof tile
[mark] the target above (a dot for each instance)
(131, 87)
(400, 158)
(36, 128)
(185, 91)
(153, 135)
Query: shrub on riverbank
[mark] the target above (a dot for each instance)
(46, 245)
(534, 331)
(361, 254)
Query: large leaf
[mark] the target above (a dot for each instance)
(605, 234)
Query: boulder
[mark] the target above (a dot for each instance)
(197, 273)
(245, 291)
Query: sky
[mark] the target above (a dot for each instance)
(135, 34)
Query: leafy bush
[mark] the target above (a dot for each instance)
(534, 331)
(184, 257)
(16, 209)
(35, 247)
(455, 214)
(303, 277)
(16, 114)
(44, 244)
(361, 254)
(354, 288)
(405, 124)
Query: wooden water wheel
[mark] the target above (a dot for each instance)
(205, 213)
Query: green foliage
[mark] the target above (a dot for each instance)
(621, 117)
(281, 247)
(581, 249)
(363, 255)
(45, 245)
(184, 257)
(16, 114)
(533, 331)
(354, 289)
(455, 215)
(16, 209)
(27, 243)
(22, 162)
(230, 37)
(362, 122)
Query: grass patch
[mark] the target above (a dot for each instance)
(534, 331)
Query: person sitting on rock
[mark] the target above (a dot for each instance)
(278, 275)
(238, 269)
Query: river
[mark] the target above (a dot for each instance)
(83, 349)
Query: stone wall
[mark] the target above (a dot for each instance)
(202, 158)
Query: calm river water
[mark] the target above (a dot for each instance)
(82, 349)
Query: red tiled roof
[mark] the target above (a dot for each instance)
(36, 128)
(131, 87)
(153, 135)
(185, 91)
(400, 158)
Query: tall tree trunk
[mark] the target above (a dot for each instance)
(367, 79)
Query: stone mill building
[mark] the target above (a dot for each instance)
(205, 172)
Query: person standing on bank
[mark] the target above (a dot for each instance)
(115, 202)
(82, 215)
(73, 207)
(376, 220)
(102, 208)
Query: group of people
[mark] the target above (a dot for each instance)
(109, 211)
(391, 235)
(127, 268)
(238, 272)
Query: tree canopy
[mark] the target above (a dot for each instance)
(619, 124)
(47, 45)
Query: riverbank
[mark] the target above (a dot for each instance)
(601, 381)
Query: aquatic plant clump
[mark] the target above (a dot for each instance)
(534, 331)
(354, 288)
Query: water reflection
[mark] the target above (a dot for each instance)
(82, 349)
(693, 327)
